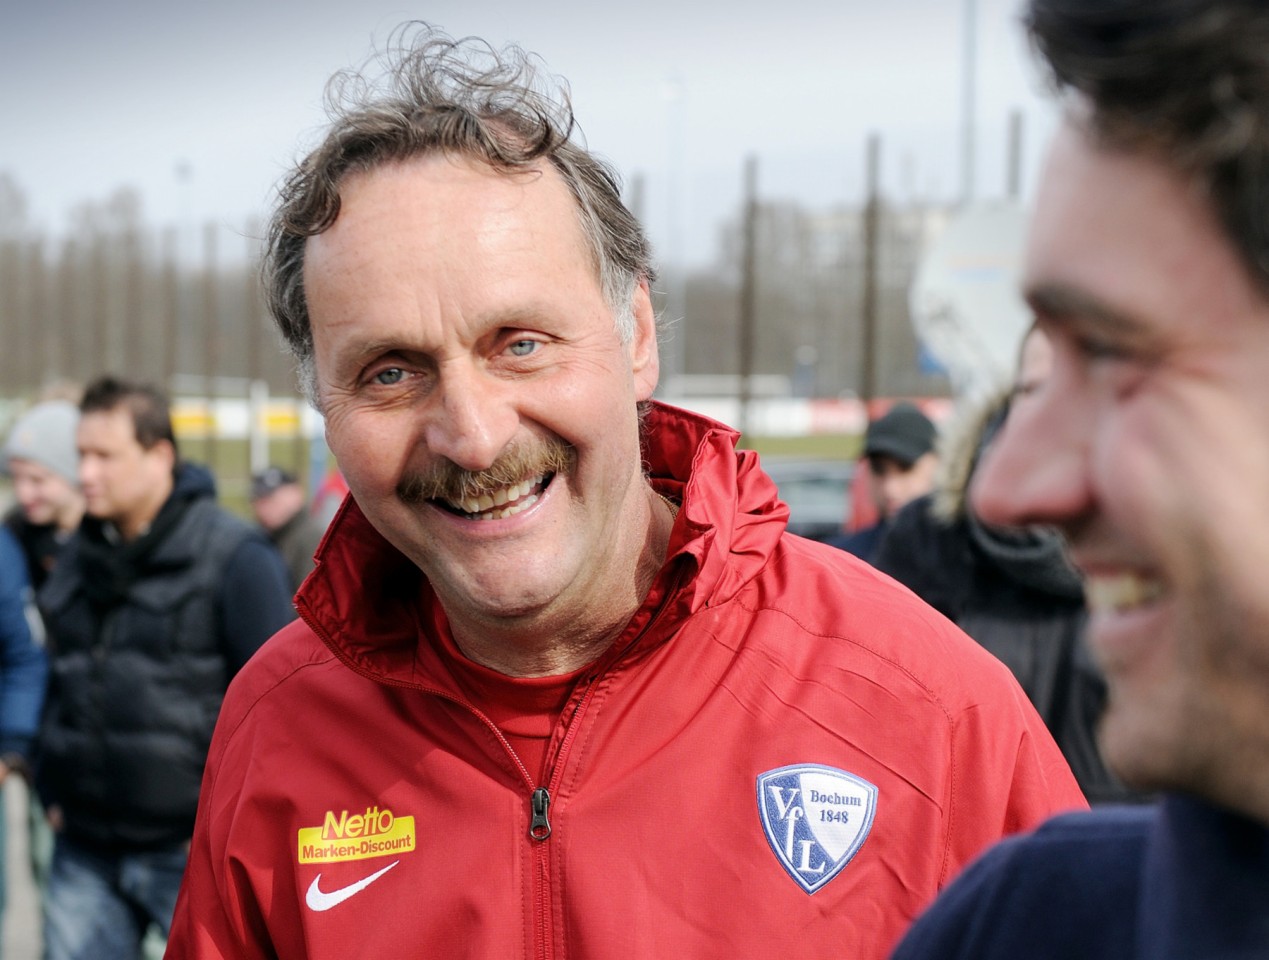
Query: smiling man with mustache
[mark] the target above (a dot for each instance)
(563, 685)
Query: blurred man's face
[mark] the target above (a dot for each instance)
(461, 334)
(895, 484)
(278, 506)
(1148, 445)
(43, 495)
(122, 481)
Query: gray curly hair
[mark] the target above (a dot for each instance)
(462, 97)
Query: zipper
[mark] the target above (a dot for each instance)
(603, 667)
(542, 898)
(540, 796)
(540, 821)
(540, 827)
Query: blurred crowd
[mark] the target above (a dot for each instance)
(150, 597)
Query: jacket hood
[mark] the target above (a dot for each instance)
(961, 442)
(731, 517)
(192, 481)
(371, 605)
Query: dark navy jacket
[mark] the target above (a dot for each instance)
(863, 543)
(1180, 879)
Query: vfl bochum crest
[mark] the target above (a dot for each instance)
(816, 818)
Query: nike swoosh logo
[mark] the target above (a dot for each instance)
(317, 900)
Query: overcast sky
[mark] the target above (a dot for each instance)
(100, 94)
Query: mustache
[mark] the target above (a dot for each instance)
(448, 481)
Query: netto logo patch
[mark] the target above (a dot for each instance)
(375, 833)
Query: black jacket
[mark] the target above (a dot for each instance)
(141, 647)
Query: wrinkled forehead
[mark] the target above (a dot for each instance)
(433, 205)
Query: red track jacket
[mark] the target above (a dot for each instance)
(786, 754)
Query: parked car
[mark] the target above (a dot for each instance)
(817, 492)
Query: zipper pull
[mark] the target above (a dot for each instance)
(540, 828)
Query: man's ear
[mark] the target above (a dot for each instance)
(645, 359)
(164, 449)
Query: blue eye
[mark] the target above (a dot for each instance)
(390, 376)
(522, 348)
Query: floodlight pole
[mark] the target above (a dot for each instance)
(748, 298)
(872, 242)
(967, 104)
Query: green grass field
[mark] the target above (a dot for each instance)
(824, 446)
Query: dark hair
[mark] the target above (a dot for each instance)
(1184, 80)
(440, 95)
(147, 405)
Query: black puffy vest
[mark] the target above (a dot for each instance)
(135, 690)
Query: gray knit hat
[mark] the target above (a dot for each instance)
(46, 435)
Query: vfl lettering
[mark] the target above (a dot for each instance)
(815, 818)
(805, 866)
(791, 819)
(805, 848)
(374, 833)
(782, 805)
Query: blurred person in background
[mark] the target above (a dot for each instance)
(40, 458)
(157, 601)
(329, 495)
(902, 457)
(558, 644)
(1011, 589)
(1147, 266)
(281, 508)
(23, 679)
